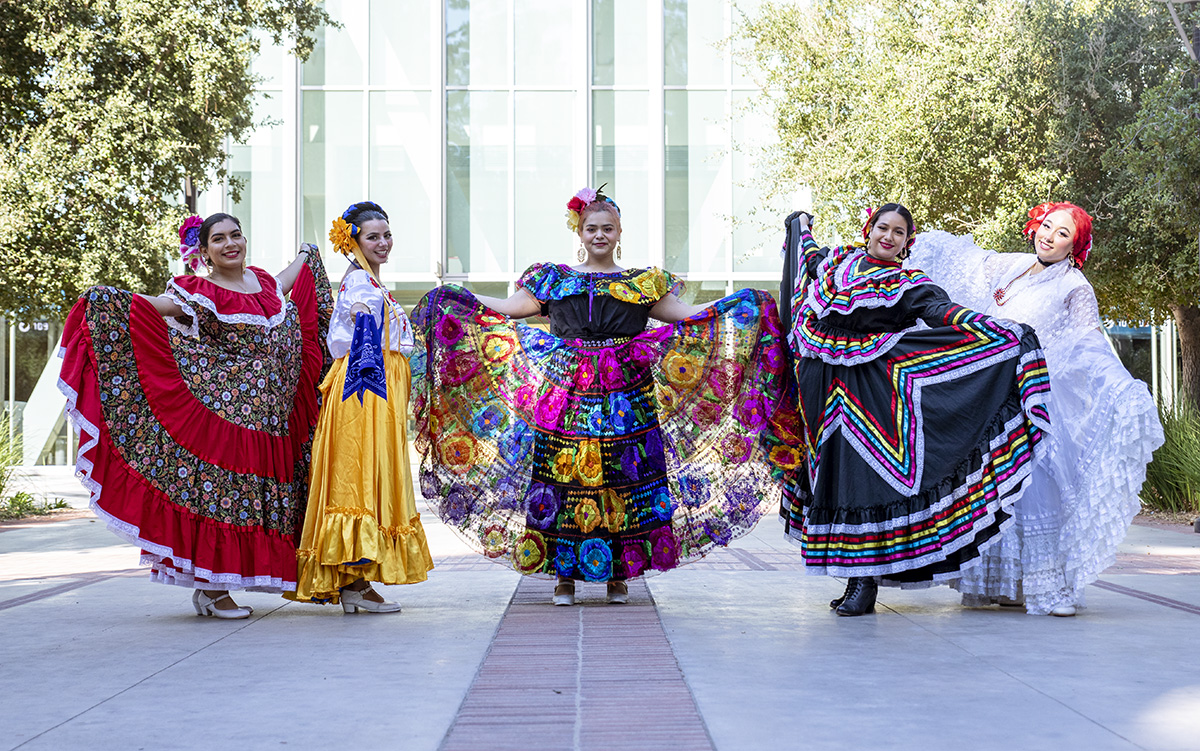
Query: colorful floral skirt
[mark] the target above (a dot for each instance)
(602, 460)
(196, 448)
(913, 457)
(362, 519)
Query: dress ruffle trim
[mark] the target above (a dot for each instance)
(227, 305)
(554, 281)
(356, 547)
(842, 287)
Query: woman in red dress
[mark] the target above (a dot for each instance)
(195, 411)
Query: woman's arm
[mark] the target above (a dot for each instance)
(520, 305)
(287, 277)
(165, 306)
(670, 309)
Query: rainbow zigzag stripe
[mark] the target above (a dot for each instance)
(846, 283)
(896, 450)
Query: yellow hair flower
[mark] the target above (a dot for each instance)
(342, 236)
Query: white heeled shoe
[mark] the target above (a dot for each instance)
(354, 601)
(206, 605)
(1063, 611)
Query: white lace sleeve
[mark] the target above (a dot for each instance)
(956, 264)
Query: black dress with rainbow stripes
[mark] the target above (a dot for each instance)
(917, 437)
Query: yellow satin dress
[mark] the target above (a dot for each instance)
(362, 519)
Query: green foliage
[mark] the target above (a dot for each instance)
(23, 504)
(1173, 477)
(970, 113)
(10, 455)
(105, 108)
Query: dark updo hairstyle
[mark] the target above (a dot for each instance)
(363, 211)
(212, 221)
(903, 211)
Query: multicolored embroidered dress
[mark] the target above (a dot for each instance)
(195, 432)
(918, 437)
(602, 449)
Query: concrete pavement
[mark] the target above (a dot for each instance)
(738, 651)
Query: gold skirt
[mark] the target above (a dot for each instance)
(362, 519)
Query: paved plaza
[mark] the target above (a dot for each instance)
(737, 651)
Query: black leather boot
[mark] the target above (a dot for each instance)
(833, 604)
(861, 599)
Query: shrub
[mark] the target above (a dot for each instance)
(1173, 477)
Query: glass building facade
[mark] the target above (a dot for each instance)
(473, 121)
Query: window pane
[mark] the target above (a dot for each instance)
(477, 190)
(338, 57)
(400, 42)
(258, 164)
(332, 154)
(621, 158)
(268, 63)
(697, 181)
(619, 42)
(693, 37)
(477, 43)
(543, 177)
(758, 224)
(544, 30)
(403, 172)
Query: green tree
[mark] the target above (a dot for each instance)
(106, 106)
(971, 112)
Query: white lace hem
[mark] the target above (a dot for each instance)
(189, 301)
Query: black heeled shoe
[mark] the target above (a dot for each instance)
(861, 600)
(833, 604)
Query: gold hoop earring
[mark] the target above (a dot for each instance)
(580, 254)
(617, 252)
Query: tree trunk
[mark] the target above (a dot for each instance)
(1187, 321)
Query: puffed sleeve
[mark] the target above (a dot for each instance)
(356, 288)
(539, 280)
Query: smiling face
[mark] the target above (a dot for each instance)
(888, 236)
(226, 247)
(1055, 238)
(375, 239)
(600, 231)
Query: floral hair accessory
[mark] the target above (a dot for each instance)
(189, 241)
(581, 201)
(1083, 228)
(342, 236)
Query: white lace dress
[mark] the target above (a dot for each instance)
(1104, 428)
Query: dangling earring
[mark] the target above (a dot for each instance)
(617, 252)
(580, 254)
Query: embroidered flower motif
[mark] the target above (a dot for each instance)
(620, 413)
(587, 515)
(525, 396)
(489, 317)
(458, 452)
(664, 549)
(772, 358)
(651, 284)
(489, 419)
(611, 374)
(342, 236)
(683, 371)
(459, 367)
(537, 343)
(785, 457)
(588, 463)
(549, 408)
(624, 292)
(530, 552)
(457, 504)
(752, 412)
(564, 562)
(735, 448)
(726, 379)
(642, 353)
(706, 414)
(744, 315)
(596, 423)
(662, 506)
(515, 444)
(495, 540)
(595, 560)
(563, 465)
(666, 396)
(614, 510)
(449, 331)
(694, 489)
(634, 558)
(585, 372)
(630, 459)
(718, 531)
(543, 506)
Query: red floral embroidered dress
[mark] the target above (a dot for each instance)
(195, 432)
